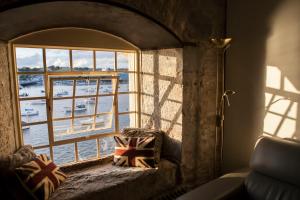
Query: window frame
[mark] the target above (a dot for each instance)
(47, 75)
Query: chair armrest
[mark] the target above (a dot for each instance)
(230, 186)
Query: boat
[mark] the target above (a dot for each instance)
(89, 89)
(24, 94)
(79, 108)
(40, 102)
(106, 90)
(91, 100)
(99, 122)
(29, 112)
(62, 93)
(42, 91)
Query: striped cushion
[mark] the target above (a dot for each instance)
(135, 152)
(40, 176)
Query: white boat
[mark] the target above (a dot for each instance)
(29, 112)
(23, 94)
(40, 102)
(90, 101)
(61, 93)
(89, 89)
(99, 122)
(79, 108)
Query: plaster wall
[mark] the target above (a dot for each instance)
(262, 67)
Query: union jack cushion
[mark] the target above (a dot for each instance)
(41, 176)
(135, 152)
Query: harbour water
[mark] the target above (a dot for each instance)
(35, 111)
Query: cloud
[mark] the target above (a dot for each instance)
(30, 61)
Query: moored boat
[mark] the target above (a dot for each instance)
(29, 112)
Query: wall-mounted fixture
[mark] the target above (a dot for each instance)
(221, 44)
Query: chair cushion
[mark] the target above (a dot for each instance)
(135, 151)
(277, 158)
(41, 176)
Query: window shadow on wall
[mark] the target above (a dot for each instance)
(161, 96)
(281, 118)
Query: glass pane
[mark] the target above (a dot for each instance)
(82, 60)
(124, 121)
(104, 121)
(33, 111)
(62, 129)
(105, 104)
(123, 102)
(82, 127)
(123, 82)
(29, 59)
(84, 106)
(105, 61)
(107, 146)
(87, 149)
(57, 60)
(63, 88)
(31, 86)
(64, 154)
(43, 151)
(62, 108)
(105, 87)
(86, 87)
(125, 61)
(35, 135)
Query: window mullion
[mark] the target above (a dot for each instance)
(115, 104)
(49, 103)
(94, 60)
(71, 59)
(73, 104)
(96, 103)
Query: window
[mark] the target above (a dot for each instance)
(72, 101)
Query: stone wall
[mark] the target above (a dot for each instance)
(199, 113)
(161, 95)
(7, 134)
(194, 22)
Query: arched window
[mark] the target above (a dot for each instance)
(75, 95)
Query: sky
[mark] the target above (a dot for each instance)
(32, 57)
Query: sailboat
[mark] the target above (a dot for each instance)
(29, 112)
(79, 108)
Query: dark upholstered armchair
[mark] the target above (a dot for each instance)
(274, 175)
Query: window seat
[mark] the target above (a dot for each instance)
(108, 182)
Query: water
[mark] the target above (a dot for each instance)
(37, 135)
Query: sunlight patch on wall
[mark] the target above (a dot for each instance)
(280, 110)
(289, 87)
(273, 79)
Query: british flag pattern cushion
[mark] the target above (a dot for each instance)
(41, 176)
(135, 152)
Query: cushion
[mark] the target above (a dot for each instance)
(20, 157)
(135, 152)
(142, 132)
(41, 176)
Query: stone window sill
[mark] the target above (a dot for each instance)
(105, 181)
